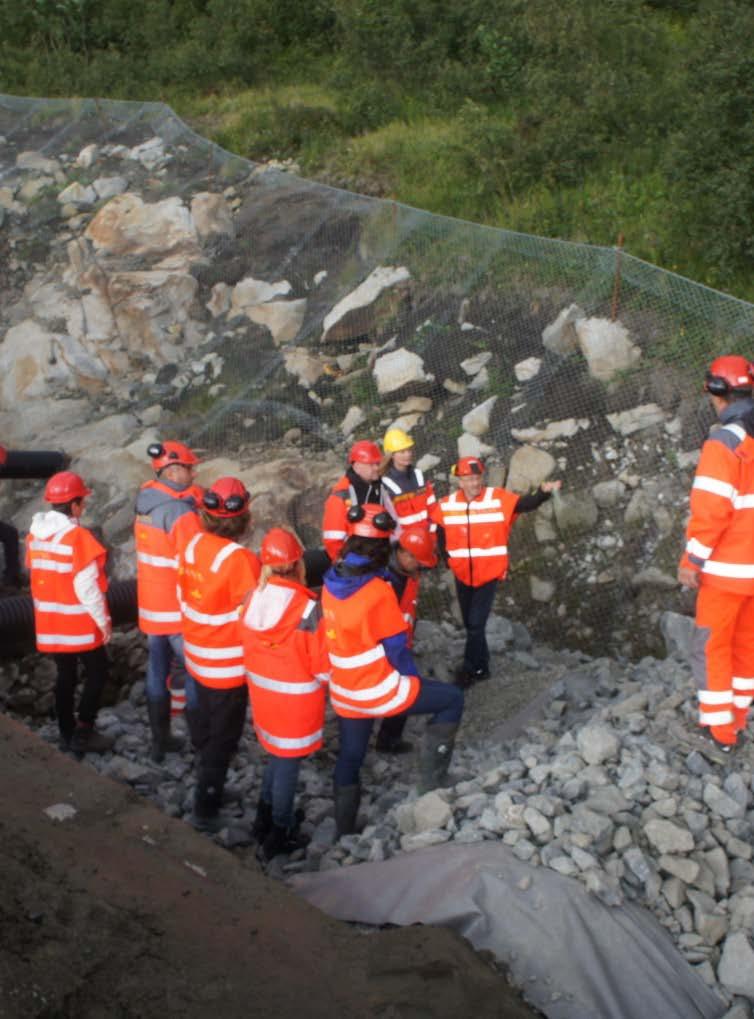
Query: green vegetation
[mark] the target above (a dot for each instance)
(578, 119)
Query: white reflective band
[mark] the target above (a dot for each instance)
(401, 696)
(289, 743)
(323, 677)
(334, 535)
(737, 430)
(231, 651)
(356, 661)
(51, 546)
(715, 717)
(740, 571)
(696, 548)
(191, 548)
(51, 566)
(706, 484)
(65, 638)
(211, 620)
(413, 518)
(743, 502)
(159, 617)
(743, 683)
(741, 700)
(308, 608)
(474, 518)
(431, 500)
(714, 696)
(392, 486)
(157, 560)
(222, 555)
(371, 693)
(217, 672)
(281, 685)
(478, 553)
(56, 606)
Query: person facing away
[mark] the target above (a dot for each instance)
(71, 617)
(287, 669)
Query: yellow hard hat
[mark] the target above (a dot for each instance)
(396, 439)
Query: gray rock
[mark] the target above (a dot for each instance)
(736, 969)
(667, 837)
(597, 743)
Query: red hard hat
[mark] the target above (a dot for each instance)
(421, 544)
(467, 466)
(3, 455)
(729, 374)
(65, 486)
(365, 452)
(228, 497)
(164, 454)
(369, 521)
(280, 548)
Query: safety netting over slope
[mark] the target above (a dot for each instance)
(269, 311)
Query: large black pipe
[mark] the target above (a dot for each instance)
(17, 612)
(40, 464)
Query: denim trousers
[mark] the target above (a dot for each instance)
(440, 700)
(476, 604)
(166, 659)
(279, 788)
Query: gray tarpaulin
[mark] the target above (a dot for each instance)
(573, 956)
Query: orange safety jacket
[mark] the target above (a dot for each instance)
(214, 577)
(166, 520)
(287, 667)
(363, 683)
(334, 522)
(409, 498)
(407, 604)
(62, 623)
(476, 533)
(720, 532)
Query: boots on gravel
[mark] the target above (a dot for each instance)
(436, 755)
(389, 737)
(87, 740)
(280, 840)
(163, 742)
(208, 795)
(347, 800)
(262, 825)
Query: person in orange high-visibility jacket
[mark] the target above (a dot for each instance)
(71, 616)
(407, 496)
(373, 671)
(718, 560)
(414, 551)
(215, 575)
(287, 669)
(166, 519)
(360, 484)
(476, 521)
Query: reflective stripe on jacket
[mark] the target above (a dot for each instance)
(61, 621)
(363, 683)
(287, 667)
(165, 521)
(409, 497)
(720, 532)
(476, 533)
(214, 577)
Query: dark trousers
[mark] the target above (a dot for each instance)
(9, 541)
(476, 604)
(95, 666)
(216, 723)
(440, 700)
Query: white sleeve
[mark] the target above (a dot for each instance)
(88, 592)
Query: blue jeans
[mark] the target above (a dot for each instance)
(440, 700)
(279, 788)
(166, 658)
(476, 604)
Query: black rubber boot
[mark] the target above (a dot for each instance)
(347, 800)
(208, 796)
(86, 740)
(281, 840)
(262, 822)
(436, 754)
(159, 722)
(389, 739)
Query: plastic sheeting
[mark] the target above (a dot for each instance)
(573, 956)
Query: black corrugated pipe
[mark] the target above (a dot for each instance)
(39, 464)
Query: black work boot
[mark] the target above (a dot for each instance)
(87, 740)
(436, 754)
(281, 840)
(159, 722)
(208, 796)
(347, 800)
(262, 822)
(389, 739)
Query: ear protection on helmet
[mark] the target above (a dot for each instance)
(232, 504)
(381, 521)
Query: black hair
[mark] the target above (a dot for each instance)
(66, 508)
(376, 550)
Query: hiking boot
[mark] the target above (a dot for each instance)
(436, 754)
(162, 740)
(87, 740)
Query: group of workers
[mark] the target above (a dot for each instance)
(235, 628)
